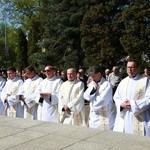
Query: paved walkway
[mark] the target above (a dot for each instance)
(24, 134)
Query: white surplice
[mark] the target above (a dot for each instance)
(49, 107)
(13, 107)
(2, 84)
(125, 118)
(101, 104)
(71, 94)
(27, 90)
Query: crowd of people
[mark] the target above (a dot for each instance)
(116, 103)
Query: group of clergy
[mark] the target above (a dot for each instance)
(53, 100)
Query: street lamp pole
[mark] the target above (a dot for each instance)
(6, 44)
(5, 35)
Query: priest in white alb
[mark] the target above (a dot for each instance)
(9, 94)
(132, 99)
(28, 95)
(71, 101)
(47, 95)
(99, 94)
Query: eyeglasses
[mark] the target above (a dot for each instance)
(131, 67)
(47, 70)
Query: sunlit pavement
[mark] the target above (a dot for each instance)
(24, 134)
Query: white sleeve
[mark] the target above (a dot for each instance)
(143, 104)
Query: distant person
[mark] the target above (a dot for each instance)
(146, 72)
(24, 77)
(41, 74)
(107, 72)
(114, 78)
(132, 99)
(82, 77)
(99, 94)
(71, 101)
(63, 76)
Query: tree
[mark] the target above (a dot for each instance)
(22, 50)
(2, 44)
(7, 45)
(100, 33)
(34, 36)
(77, 33)
(61, 36)
(20, 15)
(135, 38)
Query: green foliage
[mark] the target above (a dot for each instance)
(114, 29)
(22, 50)
(33, 38)
(135, 38)
(7, 45)
(2, 44)
(19, 12)
(61, 32)
(100, 35)
(77, 33)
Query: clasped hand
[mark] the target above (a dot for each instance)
(67, 109)
(45, 95)
(126, 104)
(94, 84)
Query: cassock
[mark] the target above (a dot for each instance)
(48, 109)
(100, 105)
(137, 119)
(28, 89)
(13, 107)
(71, 94)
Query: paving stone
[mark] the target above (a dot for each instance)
(19, 122)
(74, 132)
(26, 134)
(8, 131)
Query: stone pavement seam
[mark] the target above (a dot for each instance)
(81, 140)
(11, 134)
(26, 142)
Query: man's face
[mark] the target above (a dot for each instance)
(29, 74)
(96, 77)
(132, 69)
(71, 74)
(11, 74)
(49, 72)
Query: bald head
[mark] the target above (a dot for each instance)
(71, 74)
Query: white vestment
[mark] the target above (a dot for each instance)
(100, 105)
(13, 107)
(28, 89)
(71, 94)
(2, 84)
(50, 105)
(139, 107)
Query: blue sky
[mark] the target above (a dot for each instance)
(1, 15)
